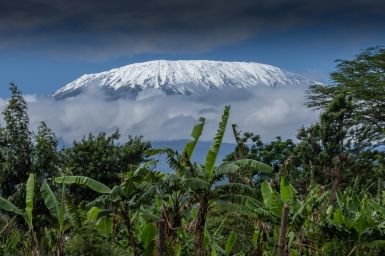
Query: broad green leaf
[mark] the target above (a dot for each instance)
(160, 151)
(50, 199)
(234, 189)
(287, 191)
(377, 207)
(104, 226)
(214, 149)
(225, 170)
(294, 252)
(257, 166)
(299, 210)
(82, 180)
(338, 217)
(195, 134)
(177, 250)
(52, 204)
(256, 236)
(270, 199)
(267, 194)
(148, 234)
(230, 243)
(291, 238)
(146, 196)
(329, 211)
(194, 213)
(10, 207)
(150, 164)
(93, 213)
(116, 194)
(216, 249)
(360, 224)
(196, 183)
(30, 193)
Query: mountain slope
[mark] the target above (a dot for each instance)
(181, 77)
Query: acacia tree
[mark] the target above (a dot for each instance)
(363, 80)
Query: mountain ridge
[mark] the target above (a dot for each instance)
(183, 77)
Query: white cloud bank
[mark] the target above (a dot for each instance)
(267, 111)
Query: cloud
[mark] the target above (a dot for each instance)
(266, 111)
(101, 29)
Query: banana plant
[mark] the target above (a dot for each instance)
(26, 213)
(283, 211)
(57, 209)
(359, 220)
(200, 181)
(138, 189)
(214, 240)
(125, 199)
(174, 192)
(9, 245)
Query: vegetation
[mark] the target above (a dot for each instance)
(322, 194)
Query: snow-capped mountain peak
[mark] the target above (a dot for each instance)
(182, 77)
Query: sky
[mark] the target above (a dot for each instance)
(45, 44)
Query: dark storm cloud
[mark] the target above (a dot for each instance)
(117, 27)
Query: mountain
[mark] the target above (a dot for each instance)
(183, 77)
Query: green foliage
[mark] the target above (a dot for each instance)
(45, 157)
(82, 180)
(9, 207)
(230, 243)
(195, 134)
(214, 149)
(148, 236)
(250, 146)
(27, 214)
(322, 195)
(101, 158)
(287, 191)
(362, 80)
(104, 226)
(29, 198)
(55, 207)
(198, 181)
(45, 164)
(15, 145)
(274, 157)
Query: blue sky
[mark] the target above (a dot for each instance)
(44, 46)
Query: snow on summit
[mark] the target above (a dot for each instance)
(181, 77)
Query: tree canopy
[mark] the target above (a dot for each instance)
(363, 81)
